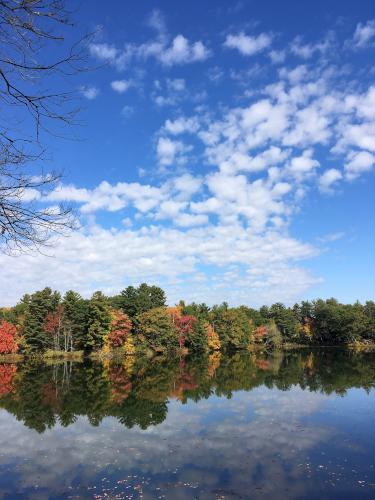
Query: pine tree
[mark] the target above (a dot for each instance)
(76, 318)
(41, 303)
(133, 301)
(99, 322)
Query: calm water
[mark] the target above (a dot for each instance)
(292, 425)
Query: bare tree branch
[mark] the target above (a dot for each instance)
(34, 57)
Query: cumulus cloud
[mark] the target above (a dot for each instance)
(113, 258)
(170, 93)
(364, 34)
(307, 50)
(358, 163)
(168, 52)
(121, 86)
(248, 45)
(181, 125)
(90, 92)
(103, 51)
(169, 151)
(328, 179)
(181, 51)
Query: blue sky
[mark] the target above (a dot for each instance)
(227, 153)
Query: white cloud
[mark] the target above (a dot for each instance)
(69, 193)
(186, 185)
(175, 91)
(307, 50)
(248, 45)
(364, 34)
(277, 56)
(111, 259)
(189, 220)
(331, 237)
(103, 51)
(362, 135)
(328, 178)
(179, 51)
(168, 150)
(296, 74)
(301, 167)
(182, 52)
(90, 92)
(121, 86)
(28, 194)
(359, 162)
(181, 125)
(176, 84)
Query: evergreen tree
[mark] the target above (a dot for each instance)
(76, 318)
(41, 303)
(286, 321)
(197, 338)
(99, 322)
(133, 301)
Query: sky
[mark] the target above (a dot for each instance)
(226, 151)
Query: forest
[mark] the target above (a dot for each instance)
(138, 321)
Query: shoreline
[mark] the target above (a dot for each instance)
(79, 356)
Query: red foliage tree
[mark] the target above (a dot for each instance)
(53, 325)
(184, 325)
(120, 328)
(8, 338)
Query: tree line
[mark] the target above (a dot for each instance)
(138, 320)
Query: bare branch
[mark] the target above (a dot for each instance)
(33, 58)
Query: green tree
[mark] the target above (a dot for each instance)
(285, 320)
(133, 301)
(75, 318)
(200, 311)
(99, 322)
(155, 329)
(232, 325)
(41, 303)
(197, 338)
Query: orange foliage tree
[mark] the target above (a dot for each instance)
(121, 327)
(8, 338)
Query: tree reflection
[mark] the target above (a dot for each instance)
(137, 393)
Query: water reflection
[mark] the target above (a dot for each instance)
(294, 424)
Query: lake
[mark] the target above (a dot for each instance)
(293, 424)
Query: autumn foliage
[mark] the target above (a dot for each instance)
(8, 338)
(214, 343)
(183, 323)
(120, 329)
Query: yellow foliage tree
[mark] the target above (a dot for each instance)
(214, 343)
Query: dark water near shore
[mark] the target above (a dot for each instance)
(298, 424)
